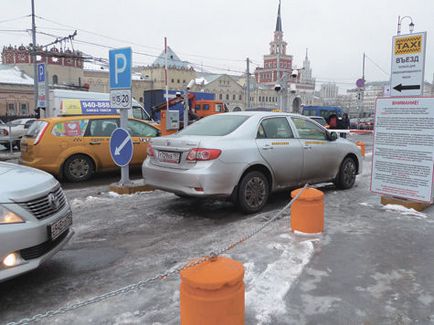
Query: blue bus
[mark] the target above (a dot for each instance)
(324, 111)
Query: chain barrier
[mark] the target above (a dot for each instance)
(133, 287)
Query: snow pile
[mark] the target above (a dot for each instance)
(266, 290)
(403, 210)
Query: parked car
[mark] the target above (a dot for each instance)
(35, 219)
(246, 155)
(17, 128)
(76, 147)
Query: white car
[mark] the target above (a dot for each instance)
(35, 219)
(247, 155)
(17, 129)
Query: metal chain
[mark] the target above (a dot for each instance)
(260, 228)
(132, 287)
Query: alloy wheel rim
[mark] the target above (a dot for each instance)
(79, 168)
(349, 172)
(255, 192)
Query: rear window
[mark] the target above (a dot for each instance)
(215, 125)
(35, 128)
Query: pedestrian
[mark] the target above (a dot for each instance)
(343, 124)
(332, 121)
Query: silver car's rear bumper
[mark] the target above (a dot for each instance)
(206, 178)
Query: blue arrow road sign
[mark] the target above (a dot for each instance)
(120, 68)
(41, 72)
(121, 147)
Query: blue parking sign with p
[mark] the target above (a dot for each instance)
(120, 68)
(41, 72)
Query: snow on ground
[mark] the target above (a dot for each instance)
(265, 291)
(403, 210)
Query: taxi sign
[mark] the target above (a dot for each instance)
(408, 65)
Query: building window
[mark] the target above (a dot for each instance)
(24, 109)
(55, 79)
(234, 97)
(11, 109)
(183, 81)
(227, 96)
(173, 80)
(178, 81)
(220, 96)
(240, 97)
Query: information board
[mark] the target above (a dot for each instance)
(402, 163)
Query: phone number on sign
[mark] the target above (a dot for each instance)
(95, 104)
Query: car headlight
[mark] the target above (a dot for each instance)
(8, 217)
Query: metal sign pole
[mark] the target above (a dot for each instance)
(125, 170)
(121, 146)
(10, 138)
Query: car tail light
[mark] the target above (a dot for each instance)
(4, 132)
(199, 154)
(40, 134)
(150, 151)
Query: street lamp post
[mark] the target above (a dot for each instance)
(410, 26)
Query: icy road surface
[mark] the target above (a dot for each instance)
(372, 265)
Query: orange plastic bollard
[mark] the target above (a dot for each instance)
(361, 145)
(212, 293)
(307, 212)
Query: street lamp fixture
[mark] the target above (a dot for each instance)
(410, 26)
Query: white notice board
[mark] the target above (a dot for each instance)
(402, 161)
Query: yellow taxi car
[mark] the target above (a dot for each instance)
(75, 147)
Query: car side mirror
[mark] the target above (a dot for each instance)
(333, 136)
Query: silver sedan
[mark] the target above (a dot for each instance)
(35, 219)
(246, 155)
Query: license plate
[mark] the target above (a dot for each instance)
(170, 157)
(57, 228)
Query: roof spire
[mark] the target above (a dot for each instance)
(279, 21)
(306, 52)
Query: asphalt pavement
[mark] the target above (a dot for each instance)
(372, 264)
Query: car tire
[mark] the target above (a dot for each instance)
(78, 168)
(253, 192)
(347, 174)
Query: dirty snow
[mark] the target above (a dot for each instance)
(403, 210)
(266, 291)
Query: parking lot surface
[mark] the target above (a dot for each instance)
(372, 264)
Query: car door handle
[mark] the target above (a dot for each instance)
(267, 147)
(94, 143)
(307, 147)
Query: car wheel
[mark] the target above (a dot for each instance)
(78, 168)
(347, 174)
(253, 192)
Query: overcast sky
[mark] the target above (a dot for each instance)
(220, 34)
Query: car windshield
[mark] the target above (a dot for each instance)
(216, 125)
